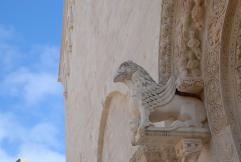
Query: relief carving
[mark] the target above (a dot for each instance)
(157, 104)
(165, 50)
(187, 51)
(188, 150)
(154, 154)
(213, 95)
(198, 37)
(219, 80)
(181, 32)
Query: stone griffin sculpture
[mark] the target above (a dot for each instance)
(159, 105)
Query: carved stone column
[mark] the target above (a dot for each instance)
(188, 150)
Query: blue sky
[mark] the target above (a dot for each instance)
(31, 100)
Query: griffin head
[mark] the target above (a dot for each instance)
(125, 71)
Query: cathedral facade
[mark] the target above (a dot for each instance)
(152, 80)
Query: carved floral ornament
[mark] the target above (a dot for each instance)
(214, 14)
(184, 55)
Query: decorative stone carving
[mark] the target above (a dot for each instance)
(154, 154)
(157, 104)
(187, 51)
(160, 145)
(211, 74)
(154, 136)
(231, 75)
(165, 66)
(188, 150)
(191, 85)
(188, 38)
(181, 48)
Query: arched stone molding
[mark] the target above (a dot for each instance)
(230, 59)
(220, 48)
(105, 118)
(218, 98)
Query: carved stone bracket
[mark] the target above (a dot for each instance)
(183, 144)
(190, 85)
(154, 154)
(188, 150)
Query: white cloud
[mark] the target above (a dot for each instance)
(33, 87)
(37, 144)
(49, 56)
(33, 153)
(44, 134)
(8, 125)
(29, 76)
(5, 157)
(36, 153)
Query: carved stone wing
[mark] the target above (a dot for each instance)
(158, 95)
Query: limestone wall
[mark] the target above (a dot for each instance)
(98, 35)
(105, 33)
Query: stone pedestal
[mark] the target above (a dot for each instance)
(188, 150)
(180, 145)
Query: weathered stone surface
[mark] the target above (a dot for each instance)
(104, 34)
(157, 104)
(196, 40)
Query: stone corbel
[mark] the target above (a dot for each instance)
(188, 150)
(181, 145)
(154, 154)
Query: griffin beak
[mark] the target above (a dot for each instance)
(117, 77)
